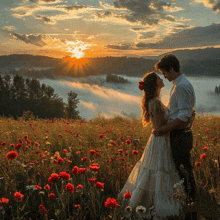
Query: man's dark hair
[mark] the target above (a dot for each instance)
(167, 61)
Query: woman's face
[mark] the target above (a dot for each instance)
(160, 83)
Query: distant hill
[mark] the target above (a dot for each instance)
(27, 60)
(198, 62)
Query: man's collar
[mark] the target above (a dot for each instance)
(175, 81)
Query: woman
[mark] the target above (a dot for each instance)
(154, 175)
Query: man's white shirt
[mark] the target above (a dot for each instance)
(182, 99)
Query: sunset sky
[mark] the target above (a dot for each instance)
(95, 28)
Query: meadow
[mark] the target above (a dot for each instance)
(74, 169)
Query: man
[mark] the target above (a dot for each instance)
(181, 105)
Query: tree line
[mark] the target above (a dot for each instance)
(21, 95)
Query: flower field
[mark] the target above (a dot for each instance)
(75, 169)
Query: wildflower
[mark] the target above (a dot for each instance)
(47, 187)
(12, 145)
(48, 143)
(141, 209)
(128, 208)
(92, 152)
(75, 170)
(197, 163)
(127, 195)
(3, 144)
(3, 201)
(78, 206)
(60, 135)
(135, 152)
(94, 167)
(128, 142)
(42, 210)
(38, 187)
(51, 196)
(83, 159)
(80, 186)
(121, 138)
(59, 160)
(93, 180)
(64, 175)
(18, 196)
(70, 187)
(111, 202)
(12, 155)
(81, 171)
(113, 143)
(53, 177)
(20, 140)
(101, 135)
(65, 151)
(205, 148)
(18, 146)
(99, 185)
(120, 150)
(203, 156)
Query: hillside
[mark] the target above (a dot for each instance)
(199, 62)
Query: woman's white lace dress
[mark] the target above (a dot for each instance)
(152, 179)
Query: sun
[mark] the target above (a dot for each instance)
(76, 48)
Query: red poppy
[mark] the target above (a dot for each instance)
(111, 202)
(83, 159)
(12, 145)
(64, 175)
(12, 155)
(59, 160)
(94, 167)
(81, 171)
(128, 142)
(141, 85)
(135, 152)
(52, 196)
(18, 146)
(65, 150)
(101, 135)
(18, 196)
(99, 185)
(47, 187)
(127, 195)
(75, 170)
(42, 210)
(78, 206)
(197, 163)
(122, 138)
(53, 177)
(3, 201)
(205, 148)
(38, 187)
(93, 180)
(203, 156)
(80, 186)
(92, 152)
(70, 187)
(3, 144)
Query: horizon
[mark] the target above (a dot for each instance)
(117, 28)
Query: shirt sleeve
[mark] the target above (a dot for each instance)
(184, 102)
(157, 112)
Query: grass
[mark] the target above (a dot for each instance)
(48, 147)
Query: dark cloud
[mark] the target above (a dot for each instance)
(198, 36)
(137, 29)
(42, 0)
(104, 15)
(45, 19)
(120, 47)
(217, 6)
(144, 11)
(75, 7)
(30, 39)
(146, 35)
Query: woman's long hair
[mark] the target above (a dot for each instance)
(149, 92)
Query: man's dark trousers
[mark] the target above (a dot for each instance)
(181, 145)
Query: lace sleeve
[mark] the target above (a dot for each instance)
(157, 111)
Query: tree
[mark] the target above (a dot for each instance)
(72, 105)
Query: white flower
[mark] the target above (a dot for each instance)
(31, 187)
(141, 209)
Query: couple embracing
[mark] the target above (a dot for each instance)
(166, 157)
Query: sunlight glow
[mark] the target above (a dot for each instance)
(77, 48)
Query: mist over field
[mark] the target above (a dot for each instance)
(97, 97)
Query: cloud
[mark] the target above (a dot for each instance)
(75, 7)
(214, 4)
(89, 105)
(46, 20)
(30, 39)
(120, 47)
(197, 36)
(146, 12)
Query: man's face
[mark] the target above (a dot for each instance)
(167, 75)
